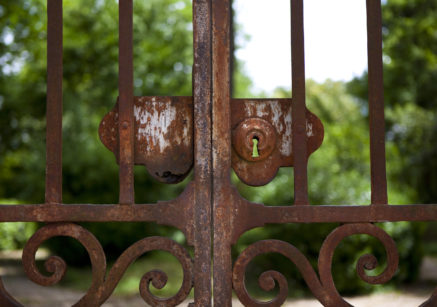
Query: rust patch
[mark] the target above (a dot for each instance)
(163, 135)
(268, 114)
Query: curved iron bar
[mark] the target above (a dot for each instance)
(324, 288)
(5, 298)
(267, 279)
(432, 301)
(156, 277)
(57, 266)
(365, 262)
(101, 287)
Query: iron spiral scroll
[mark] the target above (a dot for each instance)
(321, 286)
(103, 284)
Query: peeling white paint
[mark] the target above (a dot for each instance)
(275, 107)
(153, 127)
(261, 110)
(286, 144)
(186, 135)
(310, 132)
(270, 109)
(257, 109)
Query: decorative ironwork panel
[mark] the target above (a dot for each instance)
(132, 138)
(233, 136)
(210, 133)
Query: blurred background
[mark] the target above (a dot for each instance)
(339, 171)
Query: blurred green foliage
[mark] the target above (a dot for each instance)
(338, 171)
(163, 67)
(163, 57)
(14, 235)
(410, 78)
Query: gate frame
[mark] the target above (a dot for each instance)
(210, 212)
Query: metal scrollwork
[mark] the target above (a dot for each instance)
(366, 262)
(102, 286)
(324, 288)
(57, 265)
(156, 277)
(267, 279)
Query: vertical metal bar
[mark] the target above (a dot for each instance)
(232, 64)
(202, 150)
(299, 138)
(53, 192)
(221, 143)
(376, 103)
(125, 107)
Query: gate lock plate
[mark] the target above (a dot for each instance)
(164, 136)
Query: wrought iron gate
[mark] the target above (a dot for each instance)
(211, 132)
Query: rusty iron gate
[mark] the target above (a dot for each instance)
(211, 132)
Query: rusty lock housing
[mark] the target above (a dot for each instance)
(163, 140)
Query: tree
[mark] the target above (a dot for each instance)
(163, 60)
(410, 78)
(163, 57)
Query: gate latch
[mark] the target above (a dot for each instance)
(164, 136)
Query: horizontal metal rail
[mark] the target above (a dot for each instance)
(263, 214)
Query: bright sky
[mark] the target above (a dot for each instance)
(335, 40)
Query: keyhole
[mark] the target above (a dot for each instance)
(255, 153)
